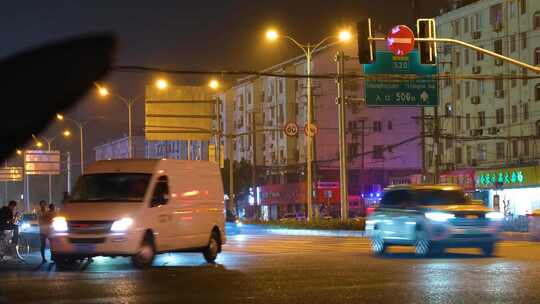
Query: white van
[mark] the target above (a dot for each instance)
(140, 208)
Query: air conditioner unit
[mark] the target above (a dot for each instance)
(493, 130)
(497, 27)
(476, 69)
(476, 35)
(499, 93)
(475, 100)
(498, 62)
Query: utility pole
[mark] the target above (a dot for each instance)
(218, 132)
(231, 173)
(68, 172)
(363, 156)
(254, 165)
(344, 192)
(436, 138)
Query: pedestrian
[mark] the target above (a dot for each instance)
(7, 221)
(45, 217)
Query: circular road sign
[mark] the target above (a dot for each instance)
(400, 40)
(291, 129)
(311, 131)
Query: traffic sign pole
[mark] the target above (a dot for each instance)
(343, 182)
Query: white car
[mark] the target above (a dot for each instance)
(140, 208)
(534, 224)
(29, 224)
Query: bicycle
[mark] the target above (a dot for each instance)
(7, 247)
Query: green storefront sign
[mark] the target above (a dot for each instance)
(422, 91)
(507, 178)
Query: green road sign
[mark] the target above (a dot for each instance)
(390, 92)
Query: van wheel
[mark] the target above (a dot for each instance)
(145, 256)
(423, 246)
(211, 251)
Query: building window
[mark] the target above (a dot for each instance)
(468, 152)
(513, 8)
(249, 97)
(497, 46)
(515, 149)
(467, 89)
(537, 56)
(455, 27)
(458, 155)
(280, 85)
(499, 116)
(499, 83)
(465, 25)
(537, 92)
(512, 43)
(478, 21)
(538, 128)
(525, 111)
(458, 123)
(458, 90)
(499, 148)
(514, 113)
(377, 126)
(449, 143)
(536, 20)
(513, 75)
(525, 147)
(466, 56)
(481, 119)
(481, 87)
(480, 55)
(447, 109)
(390, 125)
(523, 39)
(522, 6)
(457, 60)
(524, 80)
(378, 152)
(482, 152)
(468, 121)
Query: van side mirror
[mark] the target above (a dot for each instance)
(160, 199)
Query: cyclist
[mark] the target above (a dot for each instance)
(7, 221)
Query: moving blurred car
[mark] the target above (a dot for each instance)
(534, 224)
(432, 218)
(29, 224)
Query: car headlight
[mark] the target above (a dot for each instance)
(439, 216)
(121, 225)
(25, 226)
(59, 224)
(497, 216)
(238, 223)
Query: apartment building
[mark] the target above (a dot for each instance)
(490, 122)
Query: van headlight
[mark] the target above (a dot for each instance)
(59, 224)
(497, 216)
(121, 225)
(439, 216)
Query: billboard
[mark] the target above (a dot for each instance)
(11, 174)
(40, 162)
(179, 113)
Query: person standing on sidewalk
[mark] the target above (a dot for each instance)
(45, 220)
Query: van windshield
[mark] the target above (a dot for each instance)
(111, 187)
(440, 197)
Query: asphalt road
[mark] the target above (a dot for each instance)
(268, 268)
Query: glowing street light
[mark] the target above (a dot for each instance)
(66, 133)
(39, 144)
(59, 116)
(161, 84)
(213, 84)
(19, 152)
(345, 35)
(272, 35)
(103, 91)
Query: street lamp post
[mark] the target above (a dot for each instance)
(49, 141)
(128, 102)
(80, 125)
(308, 50)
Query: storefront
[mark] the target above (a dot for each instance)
(514, 191)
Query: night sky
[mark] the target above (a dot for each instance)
(209, 35)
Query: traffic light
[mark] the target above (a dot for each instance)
(366, 47)
(427, 49)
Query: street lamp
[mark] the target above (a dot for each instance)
(128, 102)
(161, 84)
(213, 84)
(309, 49)
(49, 141)
(80, 125)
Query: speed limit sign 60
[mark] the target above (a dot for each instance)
(291, 129)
